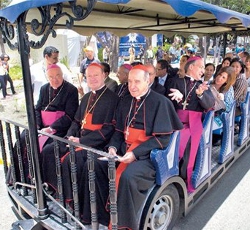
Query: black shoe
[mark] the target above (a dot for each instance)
(217, 143)
(236, 130)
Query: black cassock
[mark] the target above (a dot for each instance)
(158, 118)
(65, 99)
(122, 90)
(190, 110)
(102, 115)
(184, 85)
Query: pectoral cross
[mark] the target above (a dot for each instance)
(84, 121)
(185, 104)
(126, 133)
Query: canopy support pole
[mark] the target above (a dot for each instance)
(24, 50)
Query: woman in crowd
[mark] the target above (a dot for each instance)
(209, 72)
(240, 86)
(183, 61)
(247, 71)
(222, 89)
(225, 62)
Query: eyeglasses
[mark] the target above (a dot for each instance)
(200, 66)
(57, 77)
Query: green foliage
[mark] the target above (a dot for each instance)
(64, 61)
(4, 3)
(166, 47)
(16, 72)
(100, 57)
(242, 6)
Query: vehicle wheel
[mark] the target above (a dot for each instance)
(161, 210)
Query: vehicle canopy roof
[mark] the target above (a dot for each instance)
(147, 17)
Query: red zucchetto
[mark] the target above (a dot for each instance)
(96, 65)
(141, 67)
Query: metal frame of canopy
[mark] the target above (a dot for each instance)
(23, 45)
(179, 17)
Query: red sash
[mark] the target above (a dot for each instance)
(48, 118)
(88, 125)
(135, 138)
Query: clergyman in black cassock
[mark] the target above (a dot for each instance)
(56, 97)
(144, 121)
(191, 98)
(92, 126)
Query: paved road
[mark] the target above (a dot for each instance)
(6, 215)
(225, 207)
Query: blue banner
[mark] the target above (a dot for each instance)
(134, 39)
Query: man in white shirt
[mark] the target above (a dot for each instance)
(150, 55)
(38, 70)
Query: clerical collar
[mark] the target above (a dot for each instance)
(191, 78)
(57, 89)
(99, 90)
(143, 95)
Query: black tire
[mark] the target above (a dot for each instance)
(162, 209)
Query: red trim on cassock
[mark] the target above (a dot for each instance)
(88, 125)
(135, 138)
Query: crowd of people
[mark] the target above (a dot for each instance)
(128, 120)
(150, 55)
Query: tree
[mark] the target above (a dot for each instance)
(4, 3)
(242, 6)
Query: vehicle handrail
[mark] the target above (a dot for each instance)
(166, 161)
(244, 121)
(227, 142)
(202, 168)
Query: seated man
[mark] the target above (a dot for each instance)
(144, 121)
(92, 126)
(55, 109)
(191, 98)
(153, 83)
(122, 74)
(109, 82)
